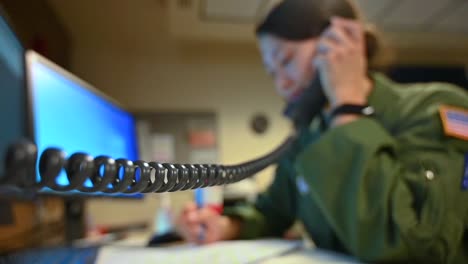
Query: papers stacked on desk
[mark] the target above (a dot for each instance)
(243, 251)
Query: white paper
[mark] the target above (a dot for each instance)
(241, 251)
(313, 256)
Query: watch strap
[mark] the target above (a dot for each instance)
(363, 110)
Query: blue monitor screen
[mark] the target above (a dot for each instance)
(70, 115)
(12, 90)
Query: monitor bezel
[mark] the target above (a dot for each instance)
(28, 132)
(32, 57)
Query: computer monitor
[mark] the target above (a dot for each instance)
(70, 114)
(13, 100)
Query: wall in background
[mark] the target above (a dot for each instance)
(226, 80)
(125, 50)
(40, 29)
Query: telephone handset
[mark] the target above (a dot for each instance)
(307, 106)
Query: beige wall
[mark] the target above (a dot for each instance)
(124, 49)
(226, 79)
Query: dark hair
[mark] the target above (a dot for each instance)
(304, 19)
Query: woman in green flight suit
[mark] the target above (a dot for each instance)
(385, 188)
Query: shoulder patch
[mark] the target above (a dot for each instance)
(454, 121)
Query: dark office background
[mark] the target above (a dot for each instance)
(408, 74)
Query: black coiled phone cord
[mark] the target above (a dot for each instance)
(121, 175)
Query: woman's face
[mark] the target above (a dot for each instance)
(289, 63)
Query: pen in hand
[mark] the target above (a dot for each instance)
(199, 200)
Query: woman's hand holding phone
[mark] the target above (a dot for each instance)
(342, 64)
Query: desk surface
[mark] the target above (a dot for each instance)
(90, 255)
(63, 255)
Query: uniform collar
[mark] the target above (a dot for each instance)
(384, 98)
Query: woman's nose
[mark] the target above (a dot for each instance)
(284, 83)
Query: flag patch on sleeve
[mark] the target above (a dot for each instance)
(455, 121)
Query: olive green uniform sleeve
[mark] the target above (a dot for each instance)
(273, 212)
(377, 198)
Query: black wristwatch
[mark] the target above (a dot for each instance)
(363, 110)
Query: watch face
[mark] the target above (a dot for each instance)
(259, 123)
(369, 110)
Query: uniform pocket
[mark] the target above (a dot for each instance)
(434, 179)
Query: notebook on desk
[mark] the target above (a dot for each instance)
(242, 251)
